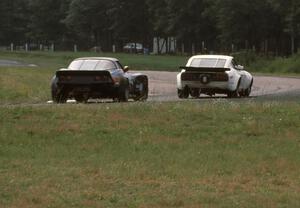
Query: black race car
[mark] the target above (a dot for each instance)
(97, 78)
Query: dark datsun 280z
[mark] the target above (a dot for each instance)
(98, 78)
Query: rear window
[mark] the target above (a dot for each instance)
(92, 65)
(208, 62)
(75, 65)
(105, 65)
(89, 65)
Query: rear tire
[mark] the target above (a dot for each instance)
(123, 93)
(183, 94)
(195, 93)
(248, 90)
(81, 98)
(59, 97)
(235, 93)
(142, 95)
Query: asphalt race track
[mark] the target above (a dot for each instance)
(14, 63)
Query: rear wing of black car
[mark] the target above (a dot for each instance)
(83, 76)
(81, 73)
(204, 69)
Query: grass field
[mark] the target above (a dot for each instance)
(25, 85)
(278, 65)
(269, 64)
(58, 60)
(252, 62)
(218, 154)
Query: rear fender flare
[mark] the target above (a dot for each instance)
(144, 79)
(179, 82)
(234, 80)
(54, 87)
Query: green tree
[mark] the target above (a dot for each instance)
(90, 21)
(13, 21)
(192, 22)
(244, 23)
(46, 20)
(292, 22)
(158, 17)
(130, 21)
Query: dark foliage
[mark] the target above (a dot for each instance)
(265, 26)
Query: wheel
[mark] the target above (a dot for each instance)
(54, 88)
(195, 93)
(59, 97)
(58, 94)
(248, 90)
(242, 93)
(123, 95)
(183, 94)
(81, 98)
(142, 97)
(235, 93)
(143, 94)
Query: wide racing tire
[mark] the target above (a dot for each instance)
(248, 90)
(123, 94)
(235, 93)
(195, 93)
(81, 98)
(184, 93)
(142, 95)
(59, 97)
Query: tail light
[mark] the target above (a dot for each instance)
(65, 78)
(187, 76)
(221, 77)
(116, 80)
(102, 78)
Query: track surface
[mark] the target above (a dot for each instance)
(14, 63)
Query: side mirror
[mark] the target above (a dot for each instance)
(126, 68)
(240, 67)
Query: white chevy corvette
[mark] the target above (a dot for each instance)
(213, 74)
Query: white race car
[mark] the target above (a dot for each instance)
(213, 74)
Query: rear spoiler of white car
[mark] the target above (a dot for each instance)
(204, 69)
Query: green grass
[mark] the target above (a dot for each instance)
(278, 65)
(252, 62)
(58, 60)
(25, 85)
(218, 154)
(269, 65)
(214, 153)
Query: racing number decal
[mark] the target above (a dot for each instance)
(204, 79)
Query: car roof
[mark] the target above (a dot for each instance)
(213, 56)
(97, 58)
(227, 58)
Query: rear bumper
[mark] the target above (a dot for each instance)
(103, 90)
(211, 85)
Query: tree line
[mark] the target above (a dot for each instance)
(263, 26)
